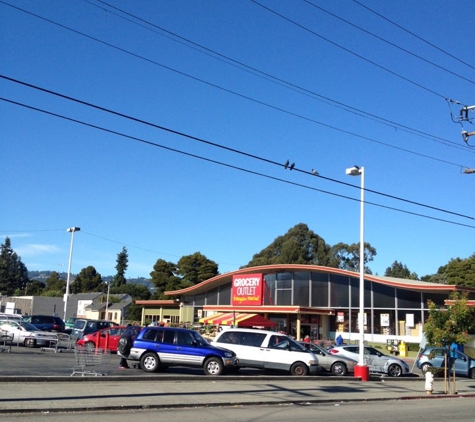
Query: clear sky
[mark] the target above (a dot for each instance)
(211, 98)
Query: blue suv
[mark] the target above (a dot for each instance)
(160, 347)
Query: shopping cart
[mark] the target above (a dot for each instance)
(89, 362)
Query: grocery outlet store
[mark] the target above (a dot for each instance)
(306, 300)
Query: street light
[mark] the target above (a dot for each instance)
(107, 300)
(66, 296)
(361, 369)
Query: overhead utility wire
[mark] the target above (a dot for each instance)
(389, 42)
(349, 51)
(135, 119)
(275, 79)
(445, 142)
(134, 138)
(413, 34)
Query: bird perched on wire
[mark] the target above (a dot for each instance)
(315, 172)
(286, 164)
(292, 166)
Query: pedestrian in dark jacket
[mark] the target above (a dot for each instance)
(124, 346)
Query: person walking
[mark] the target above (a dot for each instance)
(124, 346)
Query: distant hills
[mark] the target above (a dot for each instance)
(43, 275)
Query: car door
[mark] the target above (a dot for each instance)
(375, 360)
(462, 362)
(277, 354)
(186, 350)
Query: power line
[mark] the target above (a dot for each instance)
(389, 42)
(414, 131)
(413, 34)
(273, 78)
(251, 171)
(135, 119)
(350, 51)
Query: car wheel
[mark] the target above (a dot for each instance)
(472, 373)
(299, 369)
(394, 370)
(339, 368)
(30, 342)
(425, 367)
(213, 366)
(90, 346)
(149, 362)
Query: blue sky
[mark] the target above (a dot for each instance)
(324, 84)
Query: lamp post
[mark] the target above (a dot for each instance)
(66, 296)
(361, 370)
(107, 299)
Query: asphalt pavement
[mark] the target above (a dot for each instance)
(39, 382)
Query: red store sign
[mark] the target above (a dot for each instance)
(247, 290)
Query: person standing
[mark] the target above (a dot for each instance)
(124, 346)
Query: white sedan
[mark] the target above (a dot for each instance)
(24, 333)
(376, 361)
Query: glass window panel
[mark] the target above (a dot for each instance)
(301, 289)
(212, 297)
(408, 299)
(319, 289)
(269, 289)
(225, 295)
(339, 291)
(383, 296)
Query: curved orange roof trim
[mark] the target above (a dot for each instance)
(271, 269)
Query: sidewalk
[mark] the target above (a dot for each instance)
(162, 391)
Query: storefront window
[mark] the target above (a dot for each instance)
(269, 289)
(212, 297)
(383, 296)
(339, 291)
(284, 289)
(384, 322)
(355, 293)
(408, 299)
(225, 295)
(437, 298)
(319, 289)
(301, 289)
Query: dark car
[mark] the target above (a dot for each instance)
(435, 356)
(108, 338)
(160, 347)
(84, 326)
(46, 322)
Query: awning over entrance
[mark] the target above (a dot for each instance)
(240, 319)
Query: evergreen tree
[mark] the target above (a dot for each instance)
(164, 278)
(298, 246)
(398, 270)
(55, 283)
(88, 280)
(347, 257)
(195, 268)
(13, 273)
(121, 267)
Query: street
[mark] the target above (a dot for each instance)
(441, 410)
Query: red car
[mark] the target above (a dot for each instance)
(107, 338)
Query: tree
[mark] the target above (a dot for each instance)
(88, 280)
(347, 257)
(460, 272)
(13, 273)
(35, 288)
(298, 246)
(164, 278)
(55, 283)
(121, 267)
(398, 270)
(136, 291)
(195, 268)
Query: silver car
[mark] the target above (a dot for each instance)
(336, 364)
(376, 361)
(25, 334)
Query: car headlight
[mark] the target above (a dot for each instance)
(312, 362)
(229, 354)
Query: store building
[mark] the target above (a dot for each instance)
(316, 301)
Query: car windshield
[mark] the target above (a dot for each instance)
(28, 327)
(199, 339)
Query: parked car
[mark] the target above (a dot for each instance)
(160, 347)
(83, 326)
(435, 357)
(70, 324)
(24, 333)
(376, 361)
(336, 364)
(107, 338)
(46, 322)
(267, 350)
